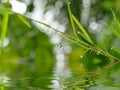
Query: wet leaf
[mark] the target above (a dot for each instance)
(4, 26)
(113, 30)
(23, 20)
(5, 10)
(71, 19)
(86, 36)
(116, 20)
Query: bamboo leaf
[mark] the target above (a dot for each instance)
(72, 23)
(48, 26)
(23, 20)
(73, 41)
(5, 10)
(116, 20)
(4, 27)
(82, 35)
(113, 30)
(82, 30)
(79, 42)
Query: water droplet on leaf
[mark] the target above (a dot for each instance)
(98, 52)
(81, 56)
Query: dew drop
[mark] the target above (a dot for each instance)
(81, 56)
(98, 52)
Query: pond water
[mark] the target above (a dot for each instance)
(23, 75)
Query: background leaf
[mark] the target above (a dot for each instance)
(4, 27)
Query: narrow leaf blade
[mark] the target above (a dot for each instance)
(82, 29)
(23, 20)
(113, 30)
(116, 20)
(48, 26)
(3, 10)
(72, 23)
(4, 27)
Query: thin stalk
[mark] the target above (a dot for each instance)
(4, 28)
(77, 41)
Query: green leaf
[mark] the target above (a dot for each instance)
(4, 26)
(23, 20)
(73, 19)
(73, 40)
(5, 10)
(82, 30)
(48, 26)
(113, 30)
(72, 23)
(116, 20)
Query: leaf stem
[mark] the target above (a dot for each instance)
(77, 41)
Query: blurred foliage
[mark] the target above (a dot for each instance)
(29, 55)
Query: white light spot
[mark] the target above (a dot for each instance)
(55, 39)
(49, 16)
(55, 83)
(67, 49)
(60, 58)
(85, 12)
(4, 79)
(61, 28)
(55, 24)
(18, 7)
(59, 4)
(81, 56)
(86, 3)
(6, 42)
(93, 26)
(69, 3)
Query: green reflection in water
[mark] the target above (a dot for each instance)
(91, 73)
(24, 77)
(28, 61)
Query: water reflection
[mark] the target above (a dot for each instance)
(4, 80)
(32, 64)
(23, 76)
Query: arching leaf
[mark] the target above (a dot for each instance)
(23, 20)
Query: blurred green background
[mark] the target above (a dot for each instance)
(39, 59)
